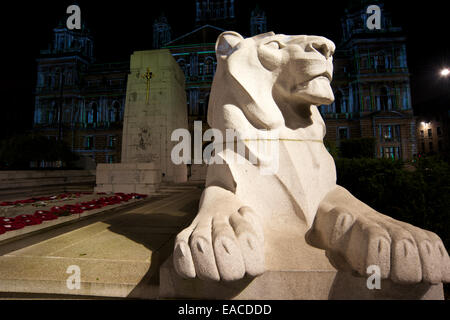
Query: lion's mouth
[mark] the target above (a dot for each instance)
(326, 75)
(322, 76)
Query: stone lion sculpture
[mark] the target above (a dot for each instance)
(274, 82)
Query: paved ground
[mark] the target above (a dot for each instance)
(118, 254)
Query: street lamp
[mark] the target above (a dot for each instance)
(445, 72)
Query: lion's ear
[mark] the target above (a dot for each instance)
(227, 42)
(265, 35)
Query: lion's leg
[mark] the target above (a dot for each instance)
(224, 242)
(355, 237)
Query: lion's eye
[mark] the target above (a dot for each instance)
(274, 45)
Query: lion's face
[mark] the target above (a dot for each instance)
(302, 65)
(273, 79)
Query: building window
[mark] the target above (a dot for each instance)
(388, 62)
(193, 102)
(397, 129)
(209, 66)
(182, 65)
(112, 115)
(89, 117)
(201, 108)
(390, 152)
(422, 134)
(89, 142)
(439, 131)
(112, 140)
(95, 113)
(343, 134)
(92, 114)
(114, 112)
(38, 116)
(367, 103)
(430, 133)
(384, 99)
(379, 61)
(67, 116)
(338, 102)
(390, 133)
(364, 63)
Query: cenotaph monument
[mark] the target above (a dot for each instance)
(155, 107)
(294, 233)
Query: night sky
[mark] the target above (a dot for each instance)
(121, 27)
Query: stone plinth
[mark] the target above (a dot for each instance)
(297, 284)
(143, 178)
(155, 107)
(198, 172)
(154, 110)
(295, 271)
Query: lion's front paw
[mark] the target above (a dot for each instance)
(221, 247)
(405, 254)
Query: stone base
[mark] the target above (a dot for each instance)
(295, 271)
(291, 285)
(142, 178)
(198, 172)
(179, 175)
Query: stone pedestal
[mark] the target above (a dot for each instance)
(295, 271)
(154, 110)
(155, 107)
(198, 172)
(296, 284)
(142, 178)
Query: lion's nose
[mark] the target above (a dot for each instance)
(321, 45)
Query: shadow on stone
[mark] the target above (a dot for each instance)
(348, 287)
(174, 287)
(156, 231)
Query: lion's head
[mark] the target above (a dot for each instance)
(273, 79)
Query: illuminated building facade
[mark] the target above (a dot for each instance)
(371, 83)
(78, 100)
(372, 88)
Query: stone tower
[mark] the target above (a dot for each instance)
(162, 32)
(216, 12)
(258, 22)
